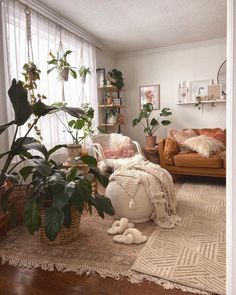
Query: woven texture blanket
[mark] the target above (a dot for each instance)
(158, 185)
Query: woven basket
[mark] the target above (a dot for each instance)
(18, 198)
(65, 235)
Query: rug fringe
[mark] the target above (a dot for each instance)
(132, 276)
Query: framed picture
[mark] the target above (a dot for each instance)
(150, 94)
(199, 88)
(101, 76)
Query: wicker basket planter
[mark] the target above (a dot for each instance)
(18, 198)
(66, 235)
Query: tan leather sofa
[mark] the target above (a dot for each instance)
(190, 163)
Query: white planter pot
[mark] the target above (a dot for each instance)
(112, 119)
(63, 75)
(83, 79)
(73, 151)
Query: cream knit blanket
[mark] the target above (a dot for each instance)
(159, 187)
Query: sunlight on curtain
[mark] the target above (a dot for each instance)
(45, 37)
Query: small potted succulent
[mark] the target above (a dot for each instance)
(83, 72)
(61, 65)
(151, 125)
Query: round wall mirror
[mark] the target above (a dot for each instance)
(221, 76)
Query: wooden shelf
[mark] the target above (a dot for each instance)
(110, 88)
(203, 101)
(111, 106)
(109, 125)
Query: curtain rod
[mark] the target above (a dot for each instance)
(44, 11)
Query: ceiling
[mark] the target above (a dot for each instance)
(131, 25)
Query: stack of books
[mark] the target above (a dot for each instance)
(116, 102)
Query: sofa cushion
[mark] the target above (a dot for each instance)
(171, 148)
(204, 145)
(195, 160)
(218, 134)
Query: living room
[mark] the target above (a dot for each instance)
(144, 98)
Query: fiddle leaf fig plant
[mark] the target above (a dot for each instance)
(151, 125)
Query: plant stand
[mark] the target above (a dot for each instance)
(152, 154)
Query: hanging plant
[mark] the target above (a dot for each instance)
(83, 72)
(61, 65)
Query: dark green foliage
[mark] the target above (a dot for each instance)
(117, 76)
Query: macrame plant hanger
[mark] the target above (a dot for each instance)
(82, 97)
(60, 55)
(28, 35)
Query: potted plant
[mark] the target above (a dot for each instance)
(116, 78)
(20, 146)
(83, 72)
(61, 65)
(79, 130)
(57, 198)
(151, 125)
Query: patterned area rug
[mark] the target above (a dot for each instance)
(194, 254)
(93, 252)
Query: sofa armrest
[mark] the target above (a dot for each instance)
(161, 146)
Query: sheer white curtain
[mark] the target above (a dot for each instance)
(46, 37)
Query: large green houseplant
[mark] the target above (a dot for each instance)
(20, 146)
(55, 191)
(116, 78)
(151, 125)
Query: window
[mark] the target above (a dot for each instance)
(45, 37)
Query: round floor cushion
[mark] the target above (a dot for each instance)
(141, 209)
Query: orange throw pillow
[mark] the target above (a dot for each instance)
(218, 134)
(171, 148)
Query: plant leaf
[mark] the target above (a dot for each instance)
(74, 112)
(19, 99)
(60, 199)
(53, 222)
(40, 109)
(32, 218)
(5, 126)
(54, 149)
(67, 216)
(73, 73)
(41, 166)
(56, 182)
(4, 198)
(101, 178)
(165, 122)
(154, 122)
(26, 171)
(89, 160)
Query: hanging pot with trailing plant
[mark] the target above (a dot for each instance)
(61, 65)
(151, 125)
(83, 72)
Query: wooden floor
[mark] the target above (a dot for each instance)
(23, 281)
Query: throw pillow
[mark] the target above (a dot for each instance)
(171, 148)
(217, 134)
(204, 145)
(181, 135)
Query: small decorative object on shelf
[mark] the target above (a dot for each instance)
(111, 102)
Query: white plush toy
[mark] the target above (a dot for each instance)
(119, 226)
(130, 236)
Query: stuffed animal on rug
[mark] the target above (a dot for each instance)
(130, 236)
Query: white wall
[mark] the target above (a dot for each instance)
(167, 67)
(105, 60)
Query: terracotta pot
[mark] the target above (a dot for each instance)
(63, 75)
(73, 151)
(151, 141)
